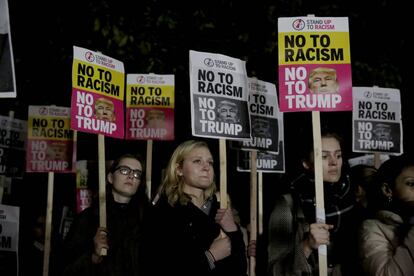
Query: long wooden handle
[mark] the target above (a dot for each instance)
(148, 171)
(253, 208)
(320, 205)
(223, 173)
(48, 225)
(102, 183)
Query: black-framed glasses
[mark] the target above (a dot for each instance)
(124, 170)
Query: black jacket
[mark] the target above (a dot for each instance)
(176, 240)
(124, 223)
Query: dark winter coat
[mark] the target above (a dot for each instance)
(177, 238)
(289, 224)
(124, 233)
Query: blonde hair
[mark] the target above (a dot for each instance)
(173, 185)
(106, 102)
(324, 70)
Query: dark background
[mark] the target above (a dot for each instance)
(156, 36)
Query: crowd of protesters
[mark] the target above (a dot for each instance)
(368, 227)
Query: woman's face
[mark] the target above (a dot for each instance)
(197, 170)
(124, 186)
(331, 159)
(404, 186)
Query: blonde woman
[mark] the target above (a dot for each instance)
(188, 234)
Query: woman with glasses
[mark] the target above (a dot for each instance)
(188, 233)
(126, 202)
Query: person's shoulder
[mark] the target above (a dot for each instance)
(383, 218)
(370, 226)
(283, 201)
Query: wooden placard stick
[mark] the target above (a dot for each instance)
(377, 160)
(260, 203)
(48, 229)
(377, 156)
(223, 177)
(102, 183)
(253, 208)
(319, 193)
(148, 171)
(223, 173)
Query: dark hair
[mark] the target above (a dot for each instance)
(137, 157)
(363, 175)
(142, 187)
(307, 147)
(388, 173)
(390, 169)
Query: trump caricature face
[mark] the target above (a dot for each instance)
(155, 118)
(105, 110)
(227, 111)
(323, 80)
